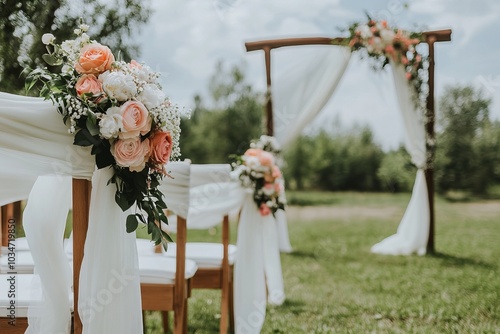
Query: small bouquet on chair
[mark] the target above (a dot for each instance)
(257, 170)
(119, 110)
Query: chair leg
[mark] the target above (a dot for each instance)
(165, 322)
(185, 317)
(231, 307)
(224, 309)
(179, 320)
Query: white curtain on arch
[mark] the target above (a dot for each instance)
(413, 230)
(35, 149)
(299, 93)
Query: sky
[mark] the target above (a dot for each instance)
(185, 39)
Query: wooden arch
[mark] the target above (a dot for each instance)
(430, 38)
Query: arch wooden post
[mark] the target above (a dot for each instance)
(81, 205)
(430, 38)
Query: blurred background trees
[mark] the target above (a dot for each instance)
(22, 24)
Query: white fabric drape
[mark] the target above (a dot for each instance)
(44, 221)
(257, 263)
(412, 234)
(299, 93)
(34, 142)
(109, 277)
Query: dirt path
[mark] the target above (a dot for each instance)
(487, 209)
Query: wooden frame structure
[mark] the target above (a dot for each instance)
(430, 37)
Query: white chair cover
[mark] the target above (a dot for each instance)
(34, 142)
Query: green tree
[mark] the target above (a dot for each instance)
(22, 24)
(345, 160)
(467, 142)
(227, 123)
(396, 172)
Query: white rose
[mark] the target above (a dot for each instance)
(252, 162)
(377, 45)
(151, 96)
(111, 123)
(48, 39)
(144, 73)
(364, 31)
(387, 35)
(67, 46)
(118, 85)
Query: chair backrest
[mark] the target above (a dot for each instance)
(176, 191)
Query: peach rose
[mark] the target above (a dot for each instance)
(136, 119)
(264, 210)
(131, 153)
(160, 147)
(266, 159)
(252, 152)
(276, 172)
(135, 64)
(88, 83)
(94, 59)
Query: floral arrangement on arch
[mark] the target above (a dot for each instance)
(120, 111)
(384, 43)
(257, 171)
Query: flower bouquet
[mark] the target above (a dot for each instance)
(383, 43)
(119, 110)
(257, 171)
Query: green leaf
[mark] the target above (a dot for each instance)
(122, 201)
(92, 124)
(83, 138)
(166, 236)
(51, 60)
(104, 158)
(132, 223)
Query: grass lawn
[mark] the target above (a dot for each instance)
(334, 285)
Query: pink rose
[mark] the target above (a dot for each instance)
(94, 59)
(252, 152)
(131, 153)
(404, 60)
(136, 119)
(135, 64)
(160, 147)
(408, 75)
(88, 83)
(266, 159)
(264, 210)
(276, 172)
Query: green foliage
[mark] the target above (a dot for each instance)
(345, 160)
(22, 24)
(227, 124)
(468, 145)
(396, 172)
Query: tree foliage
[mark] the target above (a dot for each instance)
(22, 24)
(345, 160)
(468, 146)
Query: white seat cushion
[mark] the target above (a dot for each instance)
(205, 254)
(23, 263)
(24, 294)
(161, 270)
